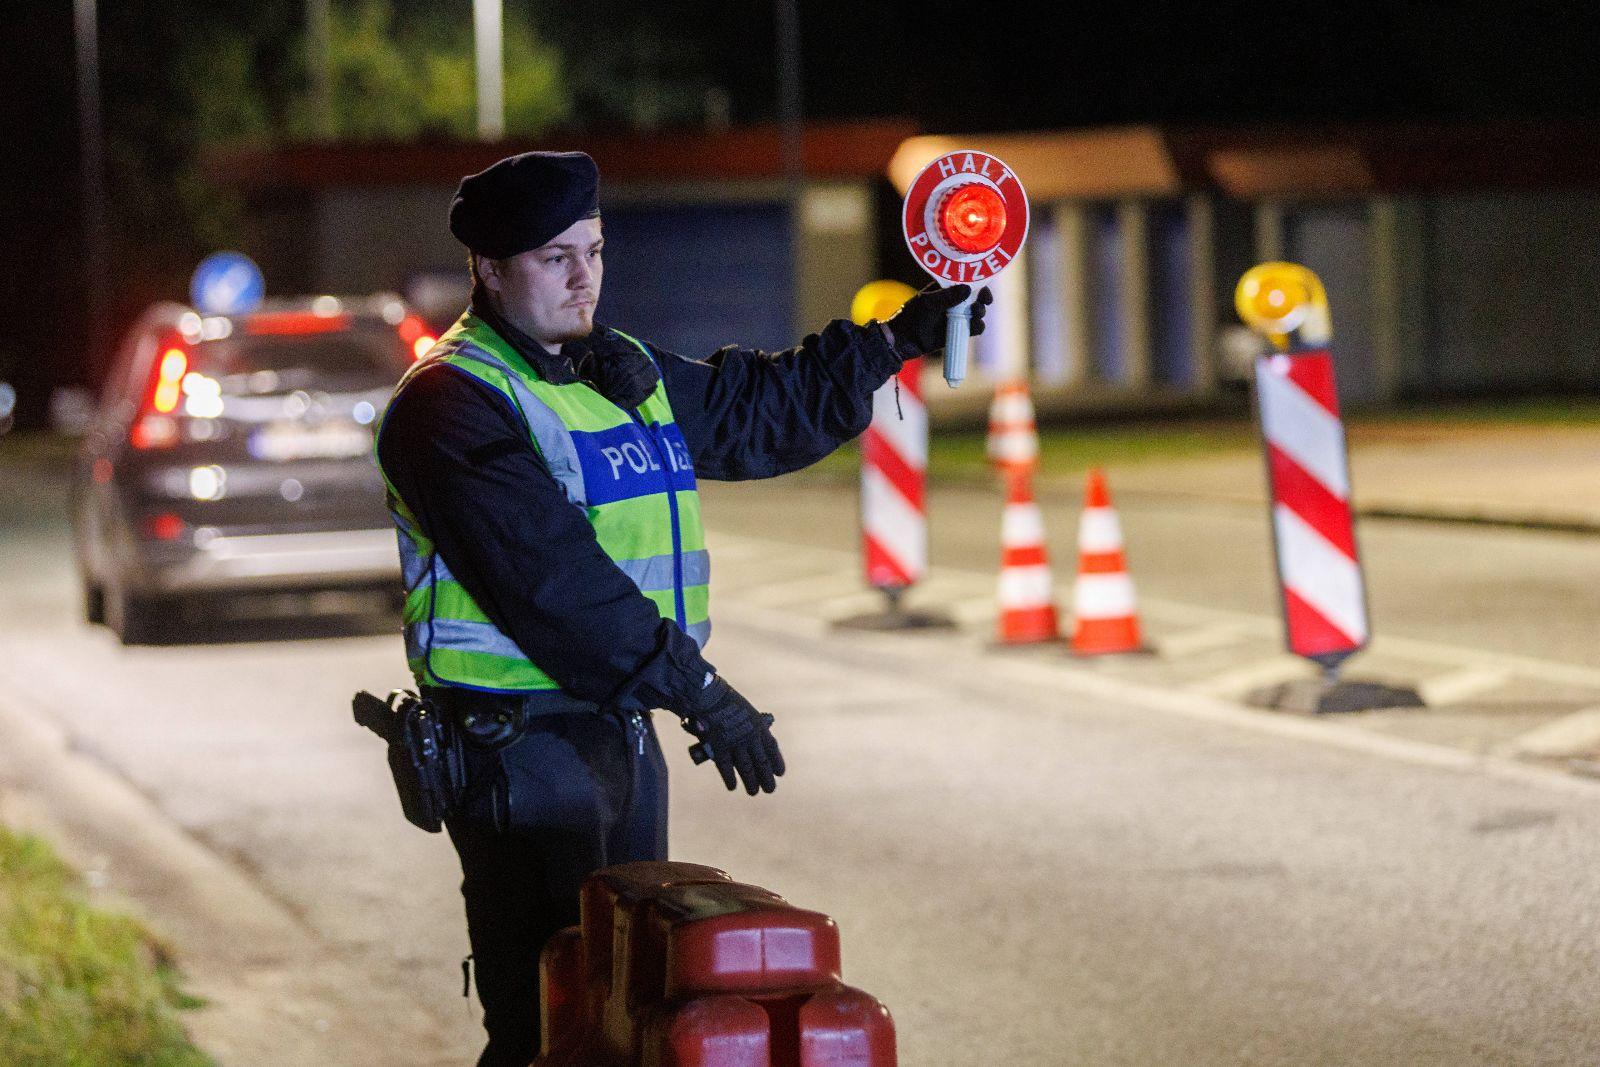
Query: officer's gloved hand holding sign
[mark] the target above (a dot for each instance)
(965, 218)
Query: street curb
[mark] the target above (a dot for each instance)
(272, 989)
(1378, 509)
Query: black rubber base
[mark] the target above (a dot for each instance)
(884, 621)
(1318, 696)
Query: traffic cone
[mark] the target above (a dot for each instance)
(1106, 618)
(1013, 441)
(1027, 603)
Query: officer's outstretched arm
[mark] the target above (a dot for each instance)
(752, 414)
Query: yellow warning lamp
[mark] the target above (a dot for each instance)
(879, 300)
(1277, 299)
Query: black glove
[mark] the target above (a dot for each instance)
(919, 327)
(734, 736)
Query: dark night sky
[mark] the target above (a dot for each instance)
(946, 65)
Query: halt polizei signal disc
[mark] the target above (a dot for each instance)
(965, 217)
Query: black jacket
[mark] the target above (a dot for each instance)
(460, 458)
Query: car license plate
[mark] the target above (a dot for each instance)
(291, 441)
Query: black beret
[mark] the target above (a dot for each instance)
(521, 202)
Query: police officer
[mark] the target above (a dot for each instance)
(541, 472)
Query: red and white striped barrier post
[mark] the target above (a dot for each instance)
(894, 477)
(1319, 569)
(1308, 479)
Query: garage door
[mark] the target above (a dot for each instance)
(693, 278)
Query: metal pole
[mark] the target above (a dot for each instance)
(486, 27)
(91, 155)
(318, 42)
(789, 95)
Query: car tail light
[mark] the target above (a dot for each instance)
(154, 431)
(414, 334)
(296, 322)
(155, 426)
(164, 527)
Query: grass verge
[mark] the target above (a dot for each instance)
(80, 987)
(958, 454)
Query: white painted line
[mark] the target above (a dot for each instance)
(1577, 734)
(1265, 625)
(1203, 639)
(805, 588)
(974, 611)
(1240, 680)
(965, 659)
(862, 602)
(1460, 685)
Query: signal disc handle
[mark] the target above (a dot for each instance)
(957, 332)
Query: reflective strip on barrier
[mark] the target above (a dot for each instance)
(1099, 531)
(1324, 598)
(1103, 596)
(894, 464)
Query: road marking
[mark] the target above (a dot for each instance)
(1203, 639)
(805, 587)
(1240, 680)
(861, 602)
(1577, 734)
(966, 661)
(1456, 686)
(1408, 648)
(975, 610)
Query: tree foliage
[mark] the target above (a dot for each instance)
(395, 75)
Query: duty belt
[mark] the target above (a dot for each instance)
(497, 719)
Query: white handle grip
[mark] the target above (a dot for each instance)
(955, 344)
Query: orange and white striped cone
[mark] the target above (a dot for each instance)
(1013, 441)
(1106, 617)
(1027, 602)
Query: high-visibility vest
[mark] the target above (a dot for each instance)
(628, 471)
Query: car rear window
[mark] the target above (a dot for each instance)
(274, 363)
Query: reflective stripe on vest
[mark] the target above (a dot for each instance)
(631, 474)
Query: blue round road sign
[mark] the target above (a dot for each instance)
(226, 283)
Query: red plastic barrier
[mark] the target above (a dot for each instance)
(681, 967)
(716, 1031)
(845, 1026)
(561, 979)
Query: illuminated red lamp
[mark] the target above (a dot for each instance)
(169, 379)
(972, 218)
(165, 527)
(156, 427)
(154, 431)
(414, 333)
(281, 323)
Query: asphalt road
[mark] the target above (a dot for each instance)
(1026, 869)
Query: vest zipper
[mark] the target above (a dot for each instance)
(672, 506)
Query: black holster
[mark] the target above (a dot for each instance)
(426, 755)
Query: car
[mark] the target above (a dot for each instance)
(233, 454)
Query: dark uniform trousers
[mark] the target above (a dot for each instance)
(578, 792)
